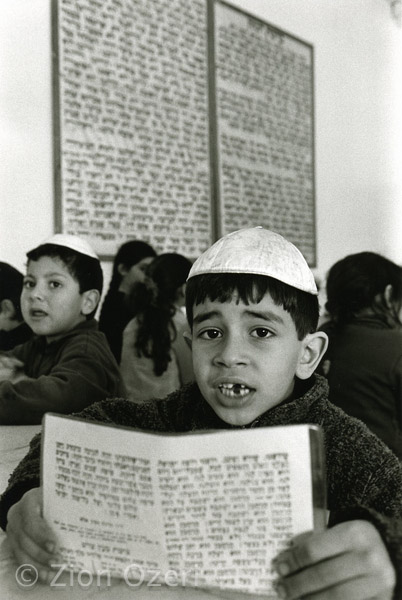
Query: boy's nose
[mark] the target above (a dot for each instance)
(37, 293)
(231, 352)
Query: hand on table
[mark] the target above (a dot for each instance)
(10, 368)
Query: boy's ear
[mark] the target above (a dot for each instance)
(314, 347)
(7, 308)
(188, 339)
(90, 300)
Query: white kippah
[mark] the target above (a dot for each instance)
(257, 251)
(71, 241)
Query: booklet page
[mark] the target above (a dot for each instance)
(208, 509)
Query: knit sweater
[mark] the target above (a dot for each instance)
(62, 376)
(364, 478)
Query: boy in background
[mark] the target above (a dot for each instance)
(68, 364)
(253, 311)
(13, 329)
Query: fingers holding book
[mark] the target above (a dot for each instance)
(346, 561)
(31, 539)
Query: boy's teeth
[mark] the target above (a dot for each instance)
(234, 389)
(230, 386)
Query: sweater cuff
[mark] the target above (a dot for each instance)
(12, 495)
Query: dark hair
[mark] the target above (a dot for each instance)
(87, 271)
(302, 306)
(129, 254)
(357, 283)
(11, 287)
(154, 304)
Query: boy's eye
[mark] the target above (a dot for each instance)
(210, 334)
(28, 283)
(261, 332)
(54, 284)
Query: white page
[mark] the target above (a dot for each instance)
(211, 509)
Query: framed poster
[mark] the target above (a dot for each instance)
(132, 123)
(265, 128)
(176, 122)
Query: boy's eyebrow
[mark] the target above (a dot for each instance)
(204, 316)
(263, 314)
(267, 315)
(46, 275)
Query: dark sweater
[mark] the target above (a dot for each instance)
(365, 375)
(14, 337)
(63, 376)
(114, 316)
(364, 478)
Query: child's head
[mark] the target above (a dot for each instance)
(362, 284)
(155, 301)
(10, 293)
(129, 264)
(170, 271)
(253, 309)
(62, 286)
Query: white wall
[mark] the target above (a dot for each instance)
(26, 184)
(358, 96)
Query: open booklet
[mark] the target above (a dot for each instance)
(205, 509)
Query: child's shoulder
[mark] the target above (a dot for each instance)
(86, 338)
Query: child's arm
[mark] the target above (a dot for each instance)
(30, 537)
(349, 561)
(79, 373)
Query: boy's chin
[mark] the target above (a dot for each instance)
(236, 417)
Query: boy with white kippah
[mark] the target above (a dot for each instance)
(252, 309)
(68, 364)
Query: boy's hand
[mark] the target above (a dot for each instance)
(30, 537)
(10, 367)
(347, 561)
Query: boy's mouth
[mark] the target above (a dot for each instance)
(234, 390)
(37, 313)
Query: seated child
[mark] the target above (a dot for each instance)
(155, 359)
(253, 310)
(129, 266)
(363, 363)
(68, 364)
(13, 329)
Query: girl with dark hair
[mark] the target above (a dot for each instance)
(129, 265)
(363, 362)
(155, 358)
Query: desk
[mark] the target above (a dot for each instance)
(14, 443)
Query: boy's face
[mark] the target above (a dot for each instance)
(51, 302)
(245, 357)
